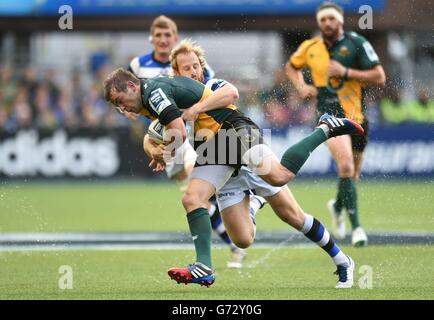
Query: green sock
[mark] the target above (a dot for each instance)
(353, 209)
(347, 199)
(296, 155)
(344, 186)
(200, 228)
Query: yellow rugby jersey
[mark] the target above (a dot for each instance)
(211, 120)
(343, 98)
(164, 96)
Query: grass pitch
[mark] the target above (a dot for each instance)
(393, 206)
(398, 272)
(281, 273)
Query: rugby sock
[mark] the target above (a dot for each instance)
(342, 196)
(316, 232)
(296, 155)
(347, 198)
(217, 224)
(353, 210)
(255, 205)
(200, 229)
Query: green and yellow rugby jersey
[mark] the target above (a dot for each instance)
(343, 98)
(164, 96)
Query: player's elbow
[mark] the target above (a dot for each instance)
(289, 69)
(380, 77)
(382, 80)
(231, 92)
(235, 94)
(292, 73)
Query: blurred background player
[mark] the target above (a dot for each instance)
(164, 36)
(341, 64)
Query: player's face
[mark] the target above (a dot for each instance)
(329, 26)
(189, 66)
(163, 41)
(128, 100)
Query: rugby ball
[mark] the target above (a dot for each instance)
(156, 132)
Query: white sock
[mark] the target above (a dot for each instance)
(255, 204)
(341, 259)
(211, 209)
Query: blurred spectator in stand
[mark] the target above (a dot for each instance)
(45, 118)
(21, 117)
(5, 122)
(301, 111)
(277, 115)
(280, 89)
(421, 110)
(8, 87)
(53, 88)
(253, 107)
(392, 109)
(275, 103)
(30, 82)
(95, 98)
(67, 114)
(89, 117)
(77, 90)
(373, 111)
(4, 118)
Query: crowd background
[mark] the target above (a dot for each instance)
(34, 98)
(52, 78)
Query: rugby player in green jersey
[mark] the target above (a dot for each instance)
(164, 98)
(341, 64)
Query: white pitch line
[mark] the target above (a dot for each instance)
(137, 247)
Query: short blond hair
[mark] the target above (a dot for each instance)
(185, 47)
(117, 80)
(164, 22)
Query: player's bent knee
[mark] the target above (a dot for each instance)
(244, 242)
(190, 202)
(346, 169)
(279, 179)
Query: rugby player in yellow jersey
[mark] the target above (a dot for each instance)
(164, 98)
(233, 198)
(185, 62)
(341, 64)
